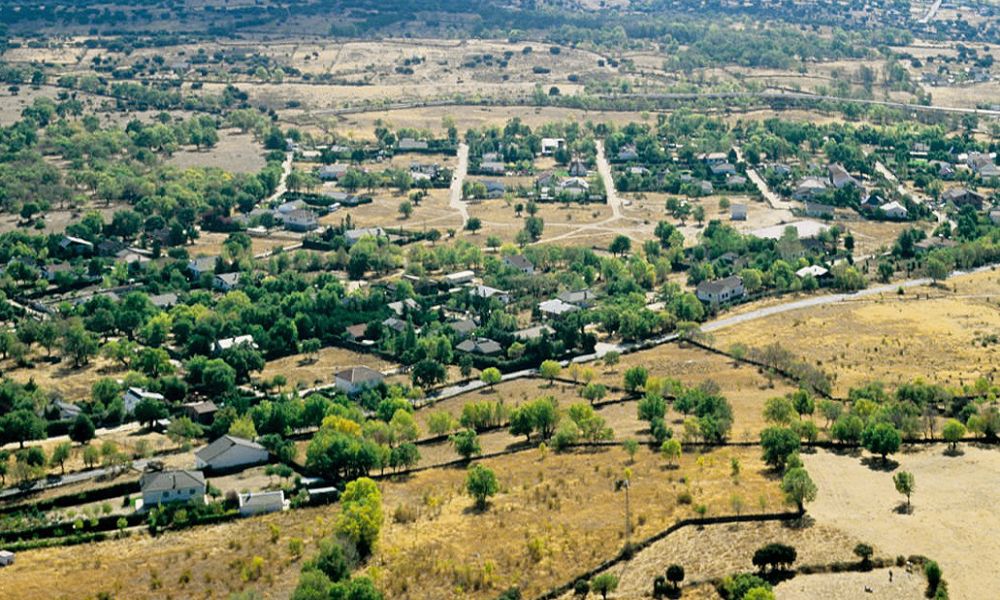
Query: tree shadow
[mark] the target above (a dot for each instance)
(954, 452)
(903, 509)
(850, 451)
(803, 522)
(876, 463)
(674, 467)
(476, 509)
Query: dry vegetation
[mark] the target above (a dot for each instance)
(301, 370)
(933, 333)
(235, 153)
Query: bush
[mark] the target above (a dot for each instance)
(581, 587)
(933, 572)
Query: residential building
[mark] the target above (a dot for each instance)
(574, 186)
(578, 168)
(519, 262)
(259, 503)
(627, 153)
(202, 413)
(356, 379)
(400, 307)
(333, 172)
(494, 189)
(230, 452)
(463, 327)
(723, 168)
(227, 343)
(816, 271)
(493, 167)
(226, 281)
(65, 410)
(76, 246)
(166, 487)
(356, 333)
(581, 298)
(353, 236)
(410, 145)
(963, 197)
(815, 209)
(720, 291)
(484, 346)
(550, 145)
(534, 332)
(895, 210)
(487, 292)
(738, 212)
(134, 395)
(201, 265)
(459, 278)
(556, 307)
(6, 558)
(840, 178)
(809, 188)
(300, 220)
(163, 301)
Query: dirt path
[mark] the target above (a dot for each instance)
(774, 200)
(614, 201)
(455, 199)
(953, 521)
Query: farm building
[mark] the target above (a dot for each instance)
(259, 503)
(229, 452)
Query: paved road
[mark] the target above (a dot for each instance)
(455, 200)
(68, 479)
(774, 200)
(902, 191)
(614, 201)
(931, 12)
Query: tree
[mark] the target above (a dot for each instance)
(149, 410)
(82, 430)
(244, 428)
(440, 423)
(331, 561)
(60, 454)
(635, 378)
(778, 443)
(20, 426)
(774, 556)
(79, 344)
(404, 456)
(406, 209)
(953, 432)
(779, 410)
(847, 429)
(360, 517)
(937, 269)
(481, 483)
(466, 443)
(550, 369)
(803, 402)
(183, 430)
(675, 575)
(490, 376)
(798, 487)
(905, 484)
(882, 439)
(604, 584)
(631, 447)
(651, 406)
(611, 358)
(620, 245)
(865, 553)
(594, 392)
(428, 372)
(759, 593)
(671, 450)
(91, 456)
(522, 422)
(474, 224)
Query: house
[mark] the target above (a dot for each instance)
(410, 145)
(872, 201)
(76, 246)
(401, 306)
(260, 503)
(166, 487)
(532, 333)
(627, 153)
(995, 216)
(129, 257)
(134, 395)
(201, 265)
(816, 271)
(484, 346)
(714, 158)
(459, 278)
(395, 324)
(895, 210)
(736, 181)
(919, 149)
(577, 168)
(815, 209)
(945, 169)
(550, 145)
(226, 281)
(487, 292)
(546, 179)
(637, 170)
(840, 178)
(809, 188)
(519, 262)
(353, 236)
(289, 207)
(229, 452)
(300, 220)
(332, 172)
(163, 301)
(109, 247)
(723, 168)
(556, 307)
(989, 171)
(720, 291)
(574, 186)
(494, 189)
(738, 212)
(706, 188)
(582, 298)
(356, 333)
(202, 413)
(963, 197)
(50, 272)
(493, 167)
(65, 410)
(463, 327)
(227, 343)
(356, 379)
(6, 558)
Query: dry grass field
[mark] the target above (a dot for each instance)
(302, 372)
(716, 551)
(905, 585)
(432, 212)
(929, 332)
(235, 153)
(555, 515)
(953, 519)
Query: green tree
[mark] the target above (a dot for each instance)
(675, 575)
(244, 428)
(82, 430)
(882, 439)
(550, 369)
(798, 487)
(953, 432)
(20, 426)
(481, 483)
(360, 517)
(604, 584)
(635, 378)
(779, 410)
(490, 376)
(406, 209)
(671, 450)
(620, 245)
(651, 406)
(778, 443)
(594, 392)
(60, 454)
(466, 443)
(905, 484)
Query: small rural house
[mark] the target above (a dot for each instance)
(550, 145)
(227, 343)
(519, 262)
(201, 265)
(353, 380)
(229, 452)
(895, 210)
(556, 307)
(165, 487)
(259, 503)
(738, 212)
(720, 291)
(300, 220)
(202, 413)
(487, 292)
(6, 558)
(134, 395)
(226, 282)
(483, 346)
(459, 278)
